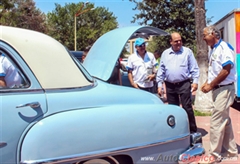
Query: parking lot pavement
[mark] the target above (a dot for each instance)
(203, 123)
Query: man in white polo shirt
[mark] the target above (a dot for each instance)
(9, 76)
(221, 78)
(141, 67)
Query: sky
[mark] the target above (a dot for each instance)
(123, 9)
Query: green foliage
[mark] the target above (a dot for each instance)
(6, 5)
(5, 10)
(90, 24)
(23, 14)
(199, 113)
(169, 15)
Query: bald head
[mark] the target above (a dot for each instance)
(175, 35)
(176, 41)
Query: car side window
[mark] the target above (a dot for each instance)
(10, 75)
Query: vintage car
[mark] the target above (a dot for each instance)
(64, 112)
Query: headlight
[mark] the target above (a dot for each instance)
(171, 120)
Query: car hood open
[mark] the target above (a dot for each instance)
(104, 53)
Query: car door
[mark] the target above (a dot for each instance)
(20, 107)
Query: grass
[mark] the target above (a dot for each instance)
(199, 113)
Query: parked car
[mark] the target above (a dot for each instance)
(64, 112)
(78, 54)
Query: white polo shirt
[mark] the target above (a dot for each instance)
(140, 67)
(221, 55)
(9, 72)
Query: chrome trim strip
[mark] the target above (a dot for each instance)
(195, 137)
(104, 153)
(20, 90)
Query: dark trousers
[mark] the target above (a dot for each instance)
(147, 89)
(182, 90)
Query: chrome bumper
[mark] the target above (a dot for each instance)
(195, 150)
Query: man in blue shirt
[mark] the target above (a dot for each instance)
(177, 67)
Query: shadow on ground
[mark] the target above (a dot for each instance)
(202, 131)
(236, 105)
(238, 147)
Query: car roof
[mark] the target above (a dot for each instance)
(47, 58)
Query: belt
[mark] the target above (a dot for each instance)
(178, 83)
(219, 86)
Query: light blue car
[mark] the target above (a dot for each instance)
(64, 112)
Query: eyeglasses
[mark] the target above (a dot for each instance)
(142, 45)
(204, 35)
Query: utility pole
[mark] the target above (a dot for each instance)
(79, 12)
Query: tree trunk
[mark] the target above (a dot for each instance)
(203, 102)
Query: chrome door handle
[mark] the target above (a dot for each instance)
(32, 104)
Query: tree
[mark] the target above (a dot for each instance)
(174, 15)
(23, 14)
(5, 7)
(203, 102)
(90, 25)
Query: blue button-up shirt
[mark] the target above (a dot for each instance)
(177, 66)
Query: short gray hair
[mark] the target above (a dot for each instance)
(213, 29)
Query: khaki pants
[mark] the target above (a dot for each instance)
(221, 132)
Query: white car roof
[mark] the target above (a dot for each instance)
(47, 58)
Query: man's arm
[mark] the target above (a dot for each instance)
(160, 76)
(194, 71)
(130, 77)
(2, 82)
(119, 77)
(221, 76)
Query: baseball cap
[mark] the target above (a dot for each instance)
(139, 41)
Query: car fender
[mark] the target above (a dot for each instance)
(93, 130)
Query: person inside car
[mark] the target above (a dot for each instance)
(9, 76)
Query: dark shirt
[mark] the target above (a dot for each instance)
(114, 79)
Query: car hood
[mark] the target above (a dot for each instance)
(104, 53)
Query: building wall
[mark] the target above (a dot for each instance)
(237, 26)
(230, 26)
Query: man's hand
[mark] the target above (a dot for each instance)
(194, 87)
(151, 77)
(206, 88)
(130, 77)
(160, 91)
(135, 85)
(2, 82)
